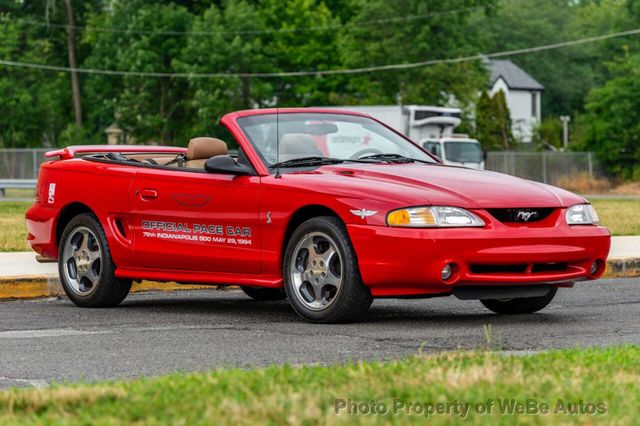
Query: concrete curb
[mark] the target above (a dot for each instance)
(622, 267)
(41, 286)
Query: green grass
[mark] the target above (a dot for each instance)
(20, 193)
(622, 216)
(307, 395)
(13, 228)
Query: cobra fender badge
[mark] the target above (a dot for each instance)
(268, 217)
(51, 198)
(364, 213)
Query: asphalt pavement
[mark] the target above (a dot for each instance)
(43, 341)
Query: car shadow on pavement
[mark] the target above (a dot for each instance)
(237, 306)
(388, 312)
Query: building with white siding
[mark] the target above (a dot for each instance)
(523, 94)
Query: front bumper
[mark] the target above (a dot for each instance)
(409, 261)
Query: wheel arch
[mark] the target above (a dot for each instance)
(302, 215)
(67, 213)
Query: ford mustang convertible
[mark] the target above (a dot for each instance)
(326, 208)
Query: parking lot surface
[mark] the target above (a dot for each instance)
(42, 341)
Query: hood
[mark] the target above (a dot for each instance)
(454, 186)
(470, 165)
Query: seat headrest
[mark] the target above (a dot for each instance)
(298, 143)
(204, 148)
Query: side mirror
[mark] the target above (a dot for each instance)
(226, 165)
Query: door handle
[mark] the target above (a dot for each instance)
(148, 194)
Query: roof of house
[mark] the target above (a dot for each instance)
(513, 75)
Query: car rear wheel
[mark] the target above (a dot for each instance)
(86, 269)
(264, 294)
(321, 274)
(524, 305)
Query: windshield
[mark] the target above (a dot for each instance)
(336, 136)
(463, 152)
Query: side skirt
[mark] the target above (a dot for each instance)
(200, 277)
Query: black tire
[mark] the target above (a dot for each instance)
(353, 299)
(524, 305)
(264, 294)
(108, 291)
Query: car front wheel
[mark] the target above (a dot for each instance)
(321, 274)
(523, 305)
(86, 269)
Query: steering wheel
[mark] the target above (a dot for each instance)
(362, 152)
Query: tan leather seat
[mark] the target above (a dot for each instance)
(159, 159)
(298, 145)
(203, 148)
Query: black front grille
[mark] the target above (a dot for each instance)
(527, 215)
(517, 268)
(549, 267)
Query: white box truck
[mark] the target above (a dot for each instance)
(432, 128)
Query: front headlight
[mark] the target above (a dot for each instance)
(582, 214)
(433, 217)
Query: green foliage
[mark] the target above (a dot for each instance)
(568, 74)
(493, 122)
(548, 132)
(264, 36)
(151, 109)
(442, 35)
(243, 36)
(301, 50)
(234, 46)
(32, 111)
(73, 135)
(613, 117)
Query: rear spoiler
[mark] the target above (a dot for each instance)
(71, 151)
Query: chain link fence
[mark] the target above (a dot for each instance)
(547, 167)
(21, 163)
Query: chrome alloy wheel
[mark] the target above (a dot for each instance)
(316, 271)
(82, 259)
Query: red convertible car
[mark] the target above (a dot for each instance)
(326, 208)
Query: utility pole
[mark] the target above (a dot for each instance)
(565, 131)
(73, 63)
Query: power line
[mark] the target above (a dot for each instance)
(242, 32)
(362, 70)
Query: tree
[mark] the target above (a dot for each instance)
(235, 45)
(548, 133)
(493, 122)
(568, 74)
(73, 63)
(612, 122)
(304, 37)
(33, 110)
(152, 109)
(378, 35)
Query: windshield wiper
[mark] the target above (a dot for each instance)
(393, 158)
(307, 161)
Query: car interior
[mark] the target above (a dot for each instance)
(199, 150)
(298, 145)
